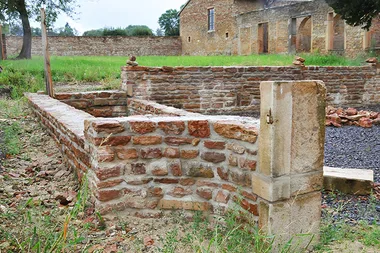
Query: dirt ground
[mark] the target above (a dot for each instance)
(38, 193)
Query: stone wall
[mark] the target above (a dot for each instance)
(145, 164)
(228, 90)
(110, 45)
(110, 103)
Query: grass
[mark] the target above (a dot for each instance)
(27, 75)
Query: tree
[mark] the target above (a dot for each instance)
(67, 30)
(36, 31)
(356, 12)
(23, 10)
(159, 32)
(169, 22)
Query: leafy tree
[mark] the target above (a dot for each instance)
(159, 32)
(36, 31)
(131, 30)
(15, 29)
(169, 22)
(114, 32)
(138, 30)
(356, 12)
(67, 30)
(96, 32)
(23, 10)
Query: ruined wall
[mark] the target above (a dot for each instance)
(65, 125)
(110, 103)
(110, 45)
(228, 90)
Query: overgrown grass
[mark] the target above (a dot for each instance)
(27, 75)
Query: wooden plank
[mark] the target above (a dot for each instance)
(45, 51)
(2, 43)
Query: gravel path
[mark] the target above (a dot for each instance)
(353, 147)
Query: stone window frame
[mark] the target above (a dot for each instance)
(211, 25)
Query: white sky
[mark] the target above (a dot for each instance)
(94, 14)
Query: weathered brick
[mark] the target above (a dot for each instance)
(108, 126)
(236, 148)
(106, 195)
(172, 127)
(236, 131)
(252, 208)
(138, 168)
(205, 193)
(222, 197)
(142, 127)
(223, 174)
(150, 153)
(189, 154)
(110, 183)
(213, 157)
(179, 192)
(187, 181)
(155, 192)
(176, 141)
(171, 152)
(160, 171)
(186, 205)
(112, 141)
(232, 160)
(241, 178)
(200, 171)
(147, 140)
(105, 154)
(215, 144)
(229, 187)
(166, 180)
(140, 181)
(247, 164)
(105, 173)
(207, 183)
(248, 195)
(199, 128)
(175, 168)
(125, 153)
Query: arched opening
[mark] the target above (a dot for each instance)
(303, 42)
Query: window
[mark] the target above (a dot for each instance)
(211, 19)
(188, 39)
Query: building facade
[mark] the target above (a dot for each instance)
(243, 27)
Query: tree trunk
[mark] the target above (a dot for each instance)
(26, 50)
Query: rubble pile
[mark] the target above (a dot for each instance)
(351, 117)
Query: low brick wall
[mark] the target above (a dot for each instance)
(145, 164)
(65, 124)
(226, 90)
(108, 45)
(106, 103)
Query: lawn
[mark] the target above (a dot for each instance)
(27, 75)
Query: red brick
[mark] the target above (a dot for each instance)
(155, 192)
(229, 187)
(252, 208)
(147, 140)
(138, 168)
(223, 174)
(213, 157)
(62, 96)
(222, 197)
(160, 172)
(150, 153)
(215, 144)
(105, 173)
(126, 153)
(199, 128)
(175, 168)
(204, 193)
(139, 181)
(187, 181)
(248, 195)
(142, 127)
(200, 171)
(179, 192)
(105, 154)
(110, 183)
(106, 195)
(108, 126)
(176, 141)
(201, 183)
(189, 154)
(237, 131)
(112, 141)
(172, 127)
(166, 180)
(171, 153)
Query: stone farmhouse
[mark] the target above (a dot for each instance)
(243, 27)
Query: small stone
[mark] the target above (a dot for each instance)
(213, 157)
(204, 193)
(199, 128)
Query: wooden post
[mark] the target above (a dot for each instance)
(45, 51)
(1, 43)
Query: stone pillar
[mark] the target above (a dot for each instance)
(291, 148)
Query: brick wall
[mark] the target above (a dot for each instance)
(236, 89)
(110, 45)
(110, 103)
(65, 125)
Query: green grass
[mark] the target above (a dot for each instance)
(27, 75)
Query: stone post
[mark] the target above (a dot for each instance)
(290, 171)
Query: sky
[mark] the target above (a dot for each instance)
(94, 14)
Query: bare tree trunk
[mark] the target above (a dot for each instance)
(26, 50)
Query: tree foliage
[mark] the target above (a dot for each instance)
(23, 10)
(356, 12)
(131, 30)
(169, 22)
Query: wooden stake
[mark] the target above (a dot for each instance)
(45, 51)
(1, 43)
